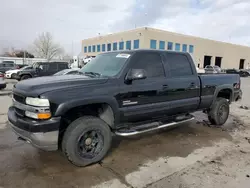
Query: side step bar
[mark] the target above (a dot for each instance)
(136, 132)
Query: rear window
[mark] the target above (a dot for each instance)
(8, 62)
(7, 65)
(179, 65)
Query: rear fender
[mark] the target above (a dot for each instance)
(220, 88)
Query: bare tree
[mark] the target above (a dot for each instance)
(45, 47)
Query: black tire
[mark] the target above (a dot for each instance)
(25, 77)
(13, 76)
(211, 120)
(73, 142)
(219, 112)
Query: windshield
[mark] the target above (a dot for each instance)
(109, 64)
(26, 67)
(35, 65)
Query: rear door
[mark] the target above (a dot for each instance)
(144, 99)
(183, 83)
(53, 68)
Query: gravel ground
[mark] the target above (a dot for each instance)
(189, 156)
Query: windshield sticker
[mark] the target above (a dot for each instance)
(123, 55)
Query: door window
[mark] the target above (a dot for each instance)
(179, 65)
(43, 67)
(151, 62)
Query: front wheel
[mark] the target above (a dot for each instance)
(13, 75)
(86, 141)
(219, 112)
(25, 77)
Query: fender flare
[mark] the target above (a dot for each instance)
(65, 107)
(220, 88)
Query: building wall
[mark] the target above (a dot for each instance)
(137, 34)
(230, 53)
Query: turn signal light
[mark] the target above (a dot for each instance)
(43, 115)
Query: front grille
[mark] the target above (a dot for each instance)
(19, 98)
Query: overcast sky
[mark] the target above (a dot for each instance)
(70, 21)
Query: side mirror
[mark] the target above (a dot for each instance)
(136, 74)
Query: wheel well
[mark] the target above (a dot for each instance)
(225, 93)
(101, 110)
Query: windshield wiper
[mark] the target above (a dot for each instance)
(93, 73)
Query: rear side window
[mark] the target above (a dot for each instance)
(179, 65)
(62, 66)
(53, 67)
(151, 62)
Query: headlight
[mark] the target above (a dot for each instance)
(37, 101)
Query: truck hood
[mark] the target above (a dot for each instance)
(37, 86)
(12, 71)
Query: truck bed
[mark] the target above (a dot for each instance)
(218, 79)
(212, 83)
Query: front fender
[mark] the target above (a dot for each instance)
(67, 105)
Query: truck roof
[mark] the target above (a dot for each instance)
(145, 50)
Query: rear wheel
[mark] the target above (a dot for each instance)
(219, 112)
(86, 141)
(25, 77)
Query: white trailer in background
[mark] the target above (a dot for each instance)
(22, 61)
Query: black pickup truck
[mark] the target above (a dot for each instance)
(125, 93)
(41, 69)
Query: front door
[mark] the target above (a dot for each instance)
(144, 99)
(41, 70)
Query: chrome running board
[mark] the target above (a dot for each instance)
(136, 132)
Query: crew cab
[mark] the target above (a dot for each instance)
(123, 93)
(41, 69)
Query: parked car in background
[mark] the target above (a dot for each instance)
(124, 93)
(212, 69)
(2, 81)
(247, 71)
(242, 73)
(13, 73)
(42, 69)
(67, 71)
(88, 59)
(6, 65)
(200, 70)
